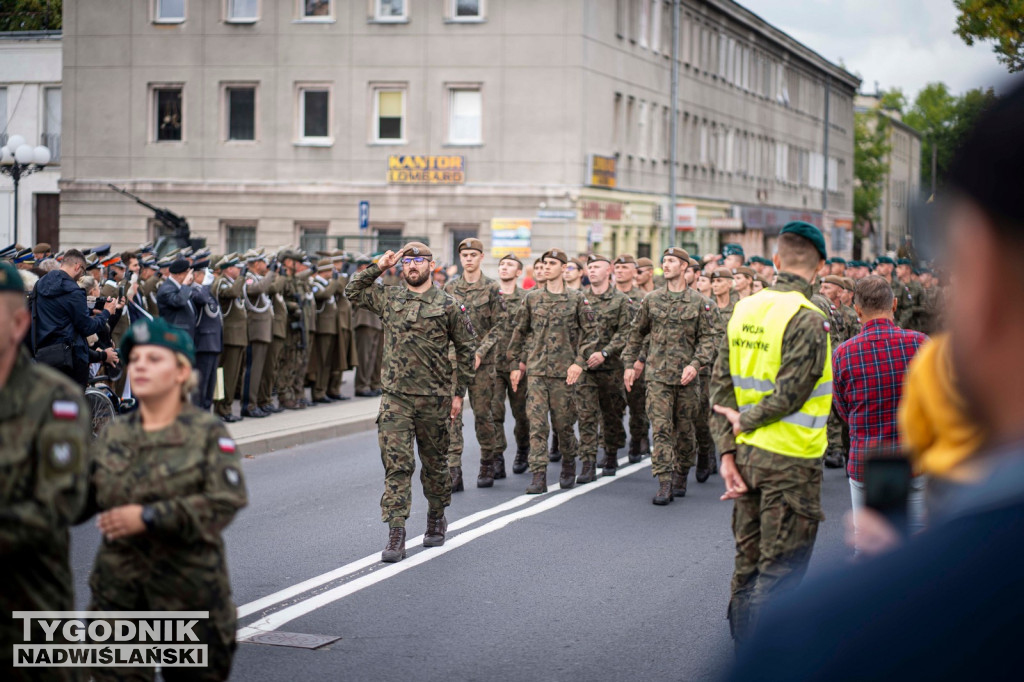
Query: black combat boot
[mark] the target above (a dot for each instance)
(679, 484)
(588, 473)
(437, 526)
(539, 484)
(664, 495)
(567, 477)
(714, 462)
(456, 473)
(499, 467)
(834, 459)
(610, 463)
(703, 467)
(554, 455)
(645, 446)
(522, 461)
(395, 549)
(634, 451)
(486, 477)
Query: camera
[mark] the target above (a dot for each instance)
(100, 301)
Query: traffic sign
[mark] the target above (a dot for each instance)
(364, 215)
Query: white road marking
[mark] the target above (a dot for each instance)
(549, 501)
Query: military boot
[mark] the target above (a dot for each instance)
(486, 477)
(456, 473)
(645, 446)
(437, 526)
(499, 467)
(664, 495)
(522, 461)
(634, 451)
(395, 549)
(539, 484)
(703, 467)
(679, 484)
(713, 461)
(834, 459)
(567, 477)
(610, 463)
(588, 473)
(554, 455)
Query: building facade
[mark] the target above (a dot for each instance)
(30, 106)
(529, 124)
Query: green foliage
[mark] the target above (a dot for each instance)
(30, 15)
(1001, 21)
(943, 119)
(870, 164)
(893, 100)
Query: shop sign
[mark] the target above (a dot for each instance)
(426, 170)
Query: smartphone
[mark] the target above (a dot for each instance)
(887, 488)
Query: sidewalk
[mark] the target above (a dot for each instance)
(298, 427)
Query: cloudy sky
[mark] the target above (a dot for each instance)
(899, 43)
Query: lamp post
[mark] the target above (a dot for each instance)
(19, 159)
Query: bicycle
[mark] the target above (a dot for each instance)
(104, 403)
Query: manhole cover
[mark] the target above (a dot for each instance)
(292, 639)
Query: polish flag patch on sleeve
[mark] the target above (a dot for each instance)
(226, 445)
(827, 326)
(65, 409)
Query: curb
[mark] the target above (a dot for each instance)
(261, 445)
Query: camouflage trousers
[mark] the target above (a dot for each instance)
(405, 422)
(600, 404)
(702, 423)
(639, 424)
(672, 409)
(481, 399)
(838, 433)
(544, 395)
(588, 409)
(293, 368)
(517, 401)
(774, 525)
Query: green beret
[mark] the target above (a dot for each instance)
(10, 278)
(904, 261)
(808, 232)
(884, 259)
(157, 332)
(732, 250)
(837, 259)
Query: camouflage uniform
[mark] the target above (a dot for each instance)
(838, 332)
(273, 373)
(705, 441)
(916, 315)
(295, 354)
(189, 474)
(906, 303)
(600, 395)
(416, 378)
(483, 301)
(775, 523)
(681, 334)
(639, 422)
(44, 465)
(562, 332)
(516, 399)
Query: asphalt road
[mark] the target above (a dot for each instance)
(594, 583)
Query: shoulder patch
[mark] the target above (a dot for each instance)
(827, 326)
(232, 477)
(61, 455)
(226, 445)
(64, 409)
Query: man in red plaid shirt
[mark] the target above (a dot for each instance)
(867, 383)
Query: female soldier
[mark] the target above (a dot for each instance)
(167, 480)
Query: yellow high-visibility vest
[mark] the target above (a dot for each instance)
(755, 358)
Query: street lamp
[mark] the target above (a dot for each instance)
(19, 159)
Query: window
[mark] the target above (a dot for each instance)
(241, 112)
(390, 10)
(467, 10)
(655, 25)
(243, 10)
(617, 123)
(169, 11)
(643, 21)
(315, 113)
(621, 22)
(168, 110)
(51, 122)
(316, 9)
(630, 103)
(389, 115)
(465, 113)
(313, 237)
(642, 129)
(389, 236)
(240, 238)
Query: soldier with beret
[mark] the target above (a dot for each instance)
(625, 269)
(44, 465)
(837, 266)
(273, 372)
(706, 462)
(509, 270)
(840, 331)
(259, 317)
(573, 273)
(325, 340)
(645, 275)
(722, 288)
(167, 481)
(732, 256)
(743, 281)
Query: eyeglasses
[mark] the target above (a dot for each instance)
(571, 267)
(418, 260)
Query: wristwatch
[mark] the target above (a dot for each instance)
(604, 354)
(148, 517)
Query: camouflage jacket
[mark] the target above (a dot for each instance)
(804, 354)
(906, 304)
(487, 311)
(418, 329)
(853, 325)
(681, 334)
(513, 302)
(612, 310)
(717, 323)
(44, 465)
(553, 331)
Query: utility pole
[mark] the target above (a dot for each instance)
(674, 130)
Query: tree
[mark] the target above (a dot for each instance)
(870, 164)
(1001, 21)
(893, 100)
(30, 15)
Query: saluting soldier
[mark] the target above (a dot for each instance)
(296, 338)
(273, 373)
(44, 475)
(209, 334)
(681, 342)
(229, 288)
(325, 344)
(259, 314)
(369, 336)
(419, 398)
(307, 307)
(347, 354)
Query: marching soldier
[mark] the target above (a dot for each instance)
(706, 462)
(625, 270)
(229, 289)
(509, 270)
(839, 331)
(721, 287)
(259, 314)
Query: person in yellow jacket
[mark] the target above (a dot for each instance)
(772, 392)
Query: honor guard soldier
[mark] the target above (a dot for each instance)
(325, 344)
(229, 288)
(259, 315)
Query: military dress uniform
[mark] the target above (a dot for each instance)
(325, 343)
(231, 295)
(347, 355)
(209, 343)
(369, 337)
(259, 315)
(44, 477)
(273, 374)
(562, 331)
(417, 395)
